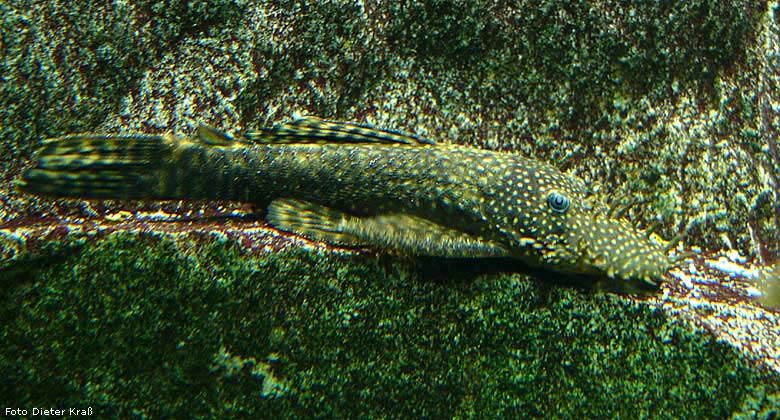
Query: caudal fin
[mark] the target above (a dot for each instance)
(98, 166)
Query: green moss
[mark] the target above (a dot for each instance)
(69, 67)
(574, 57)
(328, 57)
(171, 19)
(457, 32)
(136, 324)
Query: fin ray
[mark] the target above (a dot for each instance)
(310, 220)
(97, 166)
(212, 136)
(410, 234)
(319, 131)
(419, 236)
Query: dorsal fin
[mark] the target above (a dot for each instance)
(212, 136)
(317, 130)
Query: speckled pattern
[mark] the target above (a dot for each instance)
(683, 145)
(411, 195)
(674, 109)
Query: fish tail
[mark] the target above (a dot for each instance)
(99, 166)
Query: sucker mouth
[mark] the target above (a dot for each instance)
(637, 262)
(620, 251)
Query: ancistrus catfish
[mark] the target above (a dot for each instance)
(354, 185)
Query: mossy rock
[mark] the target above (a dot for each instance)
(138, 324)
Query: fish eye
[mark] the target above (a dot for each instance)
(558, 202)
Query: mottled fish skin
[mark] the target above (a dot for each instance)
(355, 185)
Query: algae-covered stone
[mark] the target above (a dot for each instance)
(138, 324)
(67, 65)
(675, 106)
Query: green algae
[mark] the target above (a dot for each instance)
(327, 50)
(134, 324)
(172, 19)
(576, 56)
(65, 69)
(673, 107)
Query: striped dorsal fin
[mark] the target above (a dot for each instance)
(320, 131)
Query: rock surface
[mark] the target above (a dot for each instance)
(172, 309)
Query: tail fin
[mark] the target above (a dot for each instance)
(98, 166)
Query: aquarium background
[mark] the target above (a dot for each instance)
(200, 310)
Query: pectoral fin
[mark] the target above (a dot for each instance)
(312, 221)
(212, 136)
(405, 233)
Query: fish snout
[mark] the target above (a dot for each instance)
(622, 252)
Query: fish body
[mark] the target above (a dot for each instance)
(353, 185)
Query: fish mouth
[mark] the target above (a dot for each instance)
(617, 251)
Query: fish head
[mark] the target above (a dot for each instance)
(565, 229)
(612, 248)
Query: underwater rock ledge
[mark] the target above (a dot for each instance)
(111, 305)
(131, 319)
